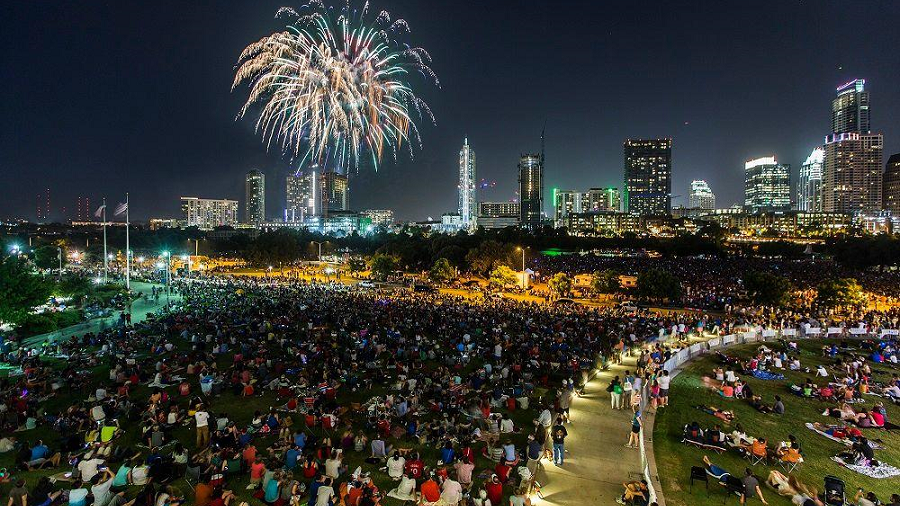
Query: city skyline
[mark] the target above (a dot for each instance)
(180, 137)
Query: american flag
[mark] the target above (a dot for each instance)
(99, 210)
(121, 208)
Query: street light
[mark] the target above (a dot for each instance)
(320, 248)
(168, 275)
(519, 248)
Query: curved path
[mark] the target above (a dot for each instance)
(597, 461)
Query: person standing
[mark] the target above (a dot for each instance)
(663, 382)
(559, 433)
(634, 437)
(201, 417)
(615, 393)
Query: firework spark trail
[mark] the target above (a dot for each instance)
(331, 88)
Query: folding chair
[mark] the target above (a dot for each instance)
(790, 466)
(699, 474)
(756, 459)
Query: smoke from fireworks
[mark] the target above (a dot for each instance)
(333, 88)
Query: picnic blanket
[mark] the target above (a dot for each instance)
(844, 441)
(765, 375)
(880, 471)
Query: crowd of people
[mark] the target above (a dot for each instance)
(303, 392)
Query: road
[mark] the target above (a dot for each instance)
(139, 311)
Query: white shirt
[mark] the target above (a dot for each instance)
(202, 418)
(88, 468)
(324, 494)
(663, 382)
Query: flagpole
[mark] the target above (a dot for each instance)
(105, 255)
(127, 247)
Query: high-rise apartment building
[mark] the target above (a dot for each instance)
(854, 157)
(467, 185)
(809, 185)
(379, 217)
(531, 190)
(767, 185)
(565, 202)
(601, 199)
(207, 214)
(498, 215)
(300, 196)
(648, 176)
(335, 195)
(891, 193)
(850, 109)
(701, 196)
(255, 202)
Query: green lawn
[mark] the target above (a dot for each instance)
(674, 459)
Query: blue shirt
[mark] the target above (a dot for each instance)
(272, 491)
(290, 458)
(39, 452)
(300, 439)
(314, 492)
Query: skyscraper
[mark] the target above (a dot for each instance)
(335, 196)
(767, 185)
(809, 186)
(648, 176)
(701, 196)
(531, 190)
(467, 185)
(565, 202)
(255, 203)
(891, 195)
(854, 157)
(850, 109)
(301, 196)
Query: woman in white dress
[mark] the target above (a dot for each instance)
(395, 466)
(405, 491)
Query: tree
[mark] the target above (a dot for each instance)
(658, 284)
(357, 264)
(20, 290)
(47, 257)
(383, 265)
(503, 276)
(442, 271)
(835, 293)
(489, 255)
(766, 289)
(606, 281)
(560, 284)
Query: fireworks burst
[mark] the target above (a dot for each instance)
(333, 88)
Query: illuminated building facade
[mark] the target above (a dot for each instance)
(531, 191)
(767, 185)
(852, 173)
(648, 177)
(207, 214)
(334, 193)
(850, 109)
(467, 185)
(300, 196)
(379, 217)
(701, 196)
(497, 215)
(891, 190)
(809, 185)
(255, 193)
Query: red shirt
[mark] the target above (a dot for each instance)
(494, 492)
(432, 492)
(414, 468)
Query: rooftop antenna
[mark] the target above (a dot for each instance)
(542, 142)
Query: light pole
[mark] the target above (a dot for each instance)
(168, 275)
(59, 257)
(320, 248)
(524, 279)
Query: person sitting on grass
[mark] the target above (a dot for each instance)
(751, 487)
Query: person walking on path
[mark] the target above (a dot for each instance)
(615, 393)
(559, 437)
(635, 434)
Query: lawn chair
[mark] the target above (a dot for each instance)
(699, 474)
(733, 486)
(834, 491)
(790, 465)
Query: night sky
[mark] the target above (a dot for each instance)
(100, 98)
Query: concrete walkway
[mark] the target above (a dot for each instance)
(597, 462)
(139, 311)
